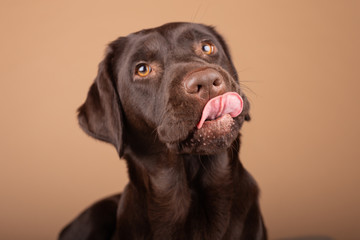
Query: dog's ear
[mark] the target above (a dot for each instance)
(101, 116)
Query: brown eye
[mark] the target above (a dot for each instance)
(208, 48)
(143, 70)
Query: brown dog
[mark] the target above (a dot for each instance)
(169, 100)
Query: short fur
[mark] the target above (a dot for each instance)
(183, 185)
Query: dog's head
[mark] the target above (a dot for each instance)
(152, 88)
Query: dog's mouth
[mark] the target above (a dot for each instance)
(217, 128)
(229, 103)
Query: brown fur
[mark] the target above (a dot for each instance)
(182, 185)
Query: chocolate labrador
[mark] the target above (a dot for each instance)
(169, 100)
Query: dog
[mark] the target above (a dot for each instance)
(169, 100)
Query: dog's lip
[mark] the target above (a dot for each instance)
(220, 125)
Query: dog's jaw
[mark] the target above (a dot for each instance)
(214, 137)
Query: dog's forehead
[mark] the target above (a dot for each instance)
(178, 31)
(170, 34)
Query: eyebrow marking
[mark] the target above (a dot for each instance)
(148, 47)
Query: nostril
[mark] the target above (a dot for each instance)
(217, 82)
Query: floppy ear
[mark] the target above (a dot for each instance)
(101, 116)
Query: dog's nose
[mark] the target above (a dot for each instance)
(206, 83)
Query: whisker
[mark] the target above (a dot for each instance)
(196, 12)
(247, 88)
(206, 8)
(244, 69)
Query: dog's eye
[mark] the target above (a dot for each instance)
(143, 70)
(208, 48)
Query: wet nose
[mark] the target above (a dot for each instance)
(205, 84)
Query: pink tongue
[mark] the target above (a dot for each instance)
(228, 103)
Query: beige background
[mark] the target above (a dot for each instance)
(297, 60)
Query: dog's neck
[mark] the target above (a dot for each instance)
(175, 186)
